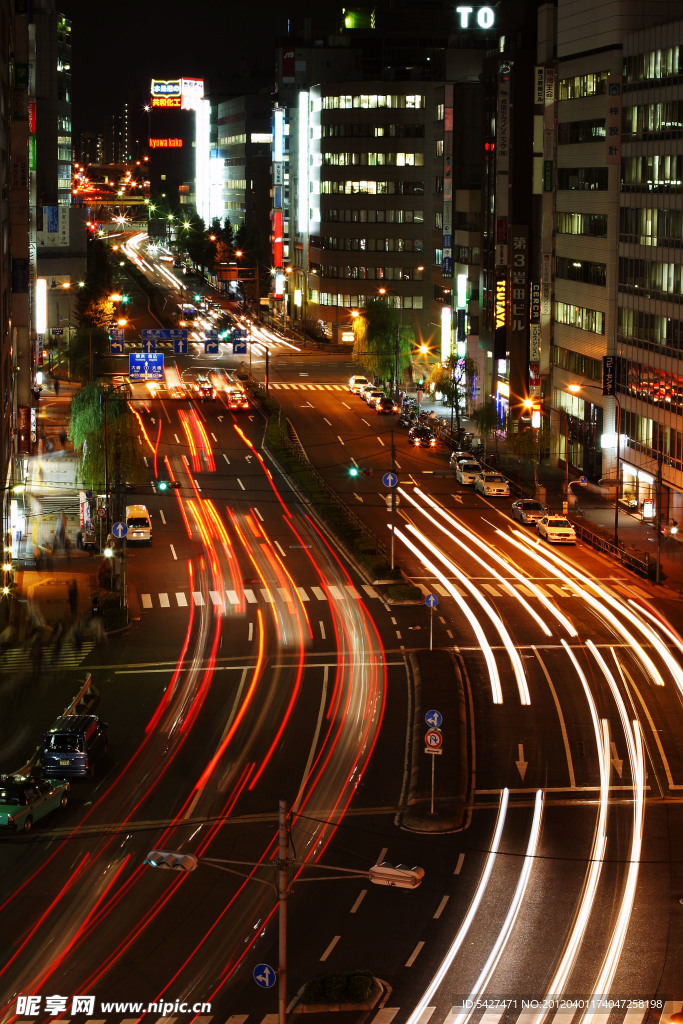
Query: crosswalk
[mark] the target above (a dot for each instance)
(658, 1012)
(313, 594)
(307, 387)
(70, 656)
(231, 598)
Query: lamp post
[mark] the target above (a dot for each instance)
(575, 388)
(399, 329)
(379, 874)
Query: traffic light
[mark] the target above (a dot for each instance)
(168, 485)
(359, 471)
(171, 860)
(353, 470)
(125, 299)
(197, 298)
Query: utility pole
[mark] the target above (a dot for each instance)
(398, 342)
(393, 499)
(267, 358)
(658, 519)
(282, 894)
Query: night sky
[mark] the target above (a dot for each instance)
(119, 47)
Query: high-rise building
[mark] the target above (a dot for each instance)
(91, 148)
(52, 106)
(6, 382)
(612, 240)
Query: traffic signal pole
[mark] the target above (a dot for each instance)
(282, 893)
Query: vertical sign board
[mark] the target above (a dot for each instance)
(609, 368)
(519, 288)
(447, 239)
(613, 121)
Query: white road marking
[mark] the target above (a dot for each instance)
(177, 439)
(336, 593)
(340, 440)
(322, 628)
(331, 946)
(241, 484)
(214, 437)
(352, 591)
(359, 899)
(232, 596)
(347, 406)
(161, 513)
(164, 601)
(320, 594)
(267, 596)
(327, 421)
(181, 599)
(251, 631)
(279, 547)
(302, 594)
(249, 594)
(385, 1015)
(369, 590)
(173, 552)
(440, 909)
(197, 598)
(146, 600)
(381, 441)
(414, 955)
(226, 458)
(258, 513)
(565, 738)
(364, 421)
(216, 598)
(459, 863)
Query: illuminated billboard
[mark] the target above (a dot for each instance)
(165, 143)
(184, 93)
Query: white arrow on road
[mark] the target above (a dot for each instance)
(248, 457)
(458, 497)
(617, 761)
(521, 763)
(220, 419)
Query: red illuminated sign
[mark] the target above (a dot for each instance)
(32, 117)
(165, 143)
(277, 238)
(166, 101)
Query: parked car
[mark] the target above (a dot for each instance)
(421, 437)
(356, 383)
(73, 746)
(366, 389)
(556, 530)
(492, 485)
(527, 510)
(467, 472)
(372, 396)
(25, 800)
(385, 405)
(457, 457)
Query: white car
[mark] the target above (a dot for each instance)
(372, 395)
(556, 530)
(357, 383)
(467, 472)
(492, 485)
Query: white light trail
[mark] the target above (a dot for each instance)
(452, 951)
(472, 538)
(559, 568)
(505, 932)
(467, 547)
(496, 691)
(635, 752)
(489, 610)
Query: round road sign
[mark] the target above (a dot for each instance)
(101, 512)
(433, 739)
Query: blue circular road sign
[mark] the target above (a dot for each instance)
(119, 530)
(434, 719)
(389, 479)
(431, 600)
(264, 976)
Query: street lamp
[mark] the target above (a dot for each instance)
(575, 388)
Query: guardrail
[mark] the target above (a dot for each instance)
(637, 561)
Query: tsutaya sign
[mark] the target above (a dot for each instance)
(484, 16)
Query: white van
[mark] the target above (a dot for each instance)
(139, 525)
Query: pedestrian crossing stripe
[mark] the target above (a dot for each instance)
(308, 387)
(232, 598)
(497, 591)
(69, 656)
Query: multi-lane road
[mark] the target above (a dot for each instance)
(264, 666)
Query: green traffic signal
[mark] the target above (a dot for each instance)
(125, 299)
(168, 485)
(197, 298)
(353, 470)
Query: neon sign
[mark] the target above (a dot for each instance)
(166, 101)
(161, 87)
(501, 296)
(485, 16)
(165, 143)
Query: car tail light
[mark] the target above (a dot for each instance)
(10, 820)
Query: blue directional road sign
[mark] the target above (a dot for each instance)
(116, 334)
(431, 600)
(116, 347)
(210, 334)
(119, 530)
(239, 334)
(149, 345)
(389, 479)
(146, 365)
(164, 334)
(434, 719)
(180, 346)
(264, 976)
(211, 348)
(239, 348)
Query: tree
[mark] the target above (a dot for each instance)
(378, 332)
(87, 432)
(487, 419)
(530, 443)
(453, 378)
